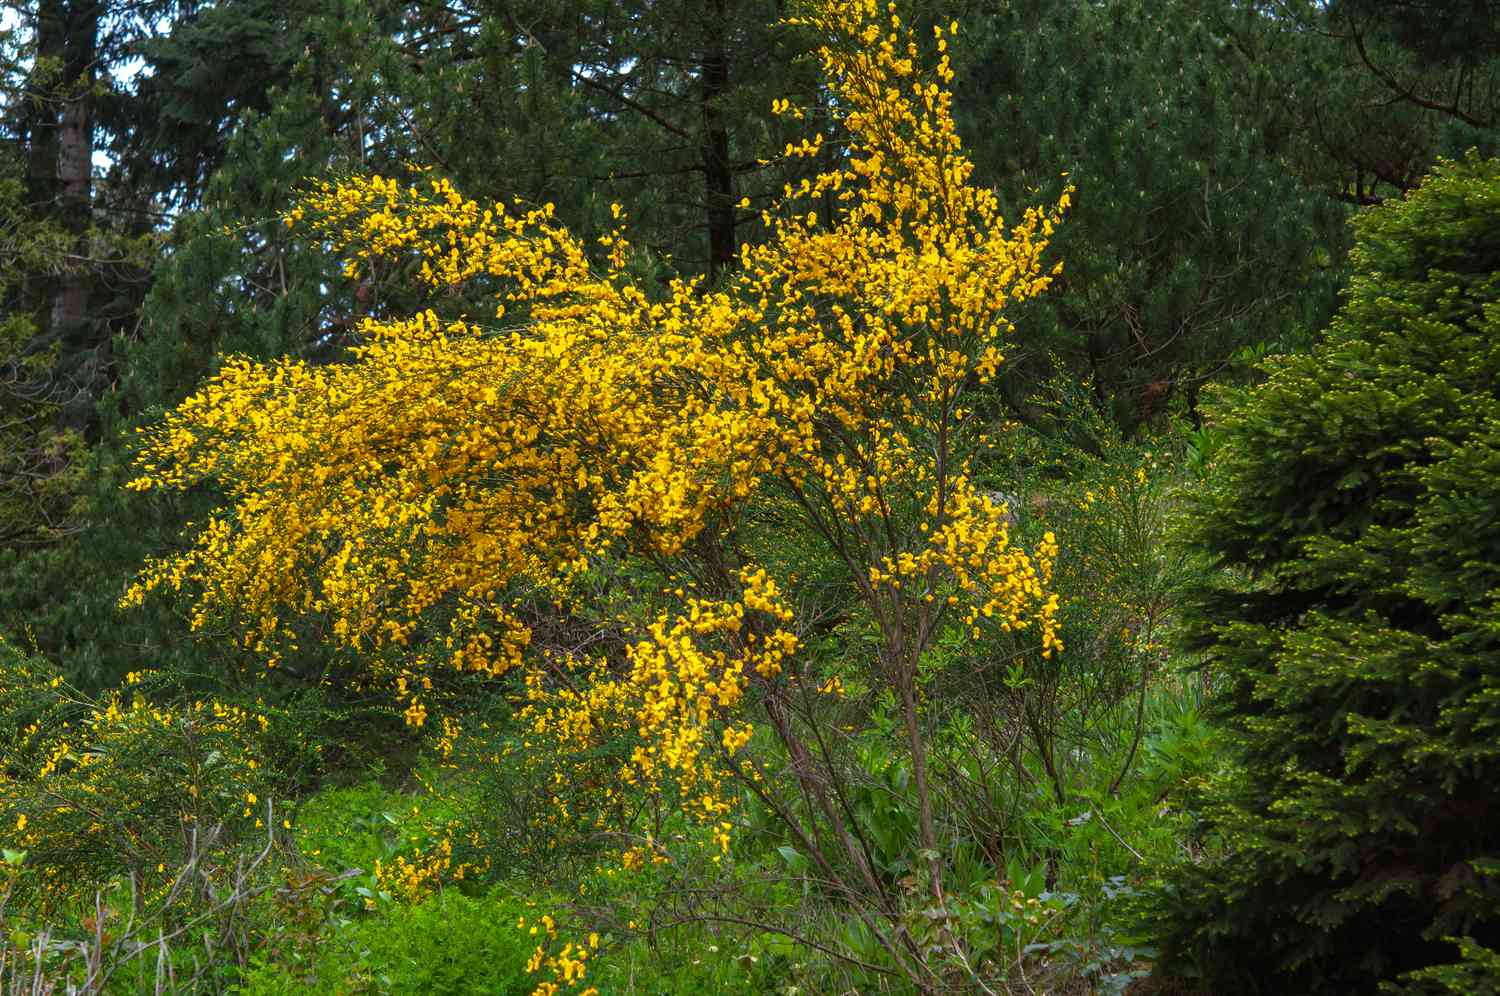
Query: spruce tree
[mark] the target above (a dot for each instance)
(1355, 632)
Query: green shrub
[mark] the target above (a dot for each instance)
(349, 827)
(456, 944)
(1355, 630)
(95, 791)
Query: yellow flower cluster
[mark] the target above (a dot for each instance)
(677, 700)
(451, 460)
(419, 876)
(433, 862)
(968, 560)
(566, 967)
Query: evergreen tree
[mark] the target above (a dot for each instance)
(1356, 631)
(1364, 95)
(38, 455)
(69, 268)
(230, 283)
(661, 104)
(201, 73)
(1189, 240)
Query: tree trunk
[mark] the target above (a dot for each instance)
(906, 688)
(718, 177)
(75, 151)
(60, 130)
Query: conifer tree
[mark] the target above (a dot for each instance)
(1191, 240)
(1355, 631)
(1364, 95)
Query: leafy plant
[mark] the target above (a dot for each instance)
(450, 944)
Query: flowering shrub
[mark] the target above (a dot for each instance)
(93, 790)
(463, 468)
(1111, 496)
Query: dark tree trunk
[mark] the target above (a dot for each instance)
(60, 150)
(718, 177)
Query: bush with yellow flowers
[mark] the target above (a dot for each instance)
(583, 438)
(1070, 469)
(118, 792)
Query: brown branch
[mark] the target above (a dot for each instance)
(633, 104)
(784, 931)
(1409, 94)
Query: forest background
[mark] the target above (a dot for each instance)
(159, 176)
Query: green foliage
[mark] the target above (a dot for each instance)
(456, 943)
(40, 458)
(352, 826)
(1073, 471)
(693, 960)
(451, 944)
(1361, 97)
(178, 126)
(1435, 33)
(1189, 239)
(1476, 973)
(1355, 627)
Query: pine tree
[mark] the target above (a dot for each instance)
(1189, 240)
(1365, 95)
